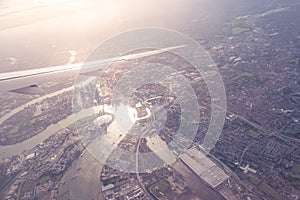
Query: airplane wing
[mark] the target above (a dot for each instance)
(28, 81)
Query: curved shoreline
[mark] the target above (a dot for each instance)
(15, 149)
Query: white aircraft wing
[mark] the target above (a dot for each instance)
(28, 81)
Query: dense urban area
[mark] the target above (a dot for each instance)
(256, 157)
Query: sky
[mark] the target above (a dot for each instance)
(44, 33)
(36, 34)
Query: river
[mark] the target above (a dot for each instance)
(82, 179)
(16, 149)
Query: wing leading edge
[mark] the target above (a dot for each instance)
(28, 81)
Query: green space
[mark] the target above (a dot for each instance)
(112, 180)
(277, 111)
(294, 133)
(26, 186)
(219, 36)
(250, 130)
(238, 122)
(253, 134)
(161, 186)
(269, 192)
(124, 156)
(294, 61)
(290, 94)
(199, 88)
(15, 129)
(43, 180)
(296, 168)
(242, 175)
(224, 160)
(263, 187)
(32, 121)
(239, 30)
(254, 179)
(242, 75)
(200, 41)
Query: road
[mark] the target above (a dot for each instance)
(137, 170)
